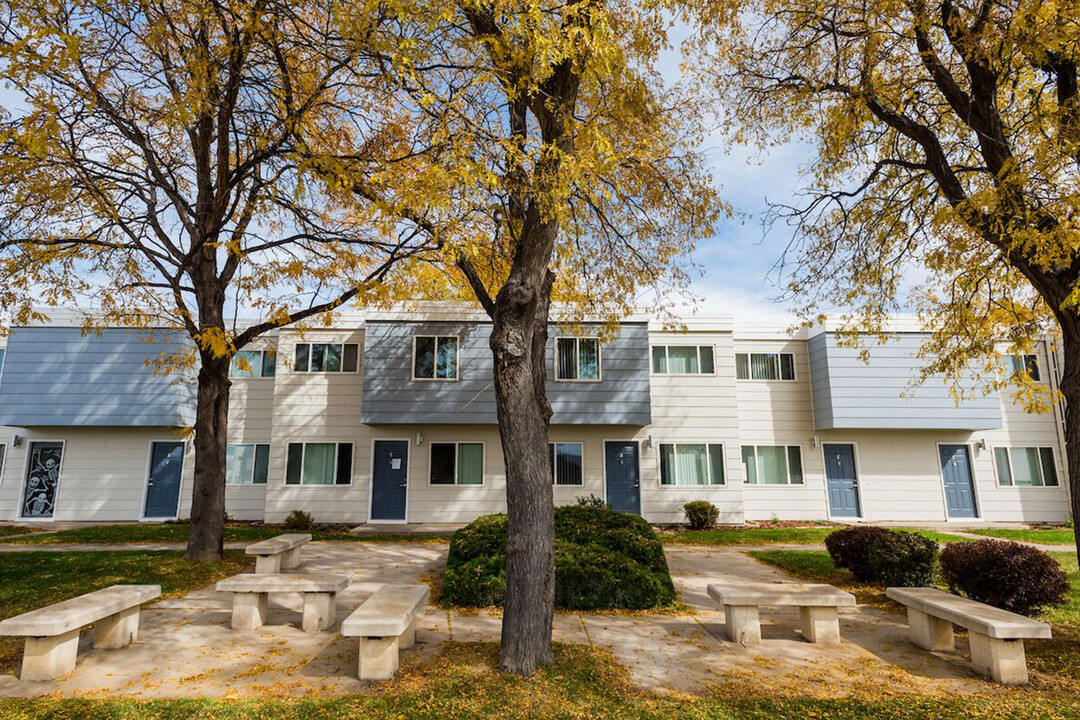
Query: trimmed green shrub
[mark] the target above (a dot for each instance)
(603, 560)
(590, 501)
(701, 514)
(850, 548)
(903, 559)
(1008, 575)
(299, 520)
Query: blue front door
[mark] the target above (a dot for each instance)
(842, 482)
(623, 476)
(389, 480)
(959, 488)
(163, 485)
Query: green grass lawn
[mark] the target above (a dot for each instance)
(29, 580)
(1059, 657)
(1044, 536)
(178, 533)
(773, 536)
(6, 530)
(460, 682)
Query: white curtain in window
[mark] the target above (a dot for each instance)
(772, 464)
(470, 464)
(749, 462)
(319, 464)
(1025, 465)
(682, 360)
(1001, 458)
(239, 464)
(764, 366)
(692, 465)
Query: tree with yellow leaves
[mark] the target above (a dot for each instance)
(948, 137)
(561, 166)
(149, 167)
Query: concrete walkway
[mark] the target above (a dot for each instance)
(186, 648)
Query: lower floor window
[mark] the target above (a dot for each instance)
(247, 464)
(42, 479)
(457, 463)
(772, 464)
(691, 464)
(319, 464)
(1026, 466)
(565, 463)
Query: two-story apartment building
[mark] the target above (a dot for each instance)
(390, 417)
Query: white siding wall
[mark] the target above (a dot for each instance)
(780, 412)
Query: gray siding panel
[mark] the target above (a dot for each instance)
(56, 376)
(391, 396)
(849, 394)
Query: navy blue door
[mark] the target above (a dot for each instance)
(163, 485)
(389, 480)
(843, 485)
(623, 476)
(959, 488)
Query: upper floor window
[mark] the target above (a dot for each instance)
(1026, 466)
(326, 357)
(764, 366)
(1023, 365)
(565, 463)
(683, 360)
(319, 464)
(457, 463)
(773, 464)
(247, 464)
(435, 357)
(577, 359)
(253, 364)
(691, 464)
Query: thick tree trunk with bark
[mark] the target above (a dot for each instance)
(518, 340)
(1070, 388)
(206, 537)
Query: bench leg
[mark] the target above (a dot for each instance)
(248, 611)
(117, 631)
(318, 611)
(291, 558)
(378, 658)
(929, 632)
(47, 658)
(268, 564)
(743, 624)
(1002, 661)
(408, 638)
(820, 625)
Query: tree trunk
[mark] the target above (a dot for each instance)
(517, 340)
(206, 537)
(1070, 388)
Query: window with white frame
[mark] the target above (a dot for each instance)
(691, 464)
(457, 463)
(772, 464)
(247, 463)
(326, 357)
(566, 466)
(319, 464)
(253, 364)
(683, 360)
(1025, 466)
(577, 359)
(764, 366)
(435, 357)
(1023, 366)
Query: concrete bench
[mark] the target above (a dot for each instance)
(277, 553)
(385, 624)
(52, 632)
(251, 593)
(817, 605)
(996, 636)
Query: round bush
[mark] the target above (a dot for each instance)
(299, 520)
(603, 559)
(701, 514)
(1008, 575)
(850, 548)
(903, 559)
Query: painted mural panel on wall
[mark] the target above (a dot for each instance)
(42, 479)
